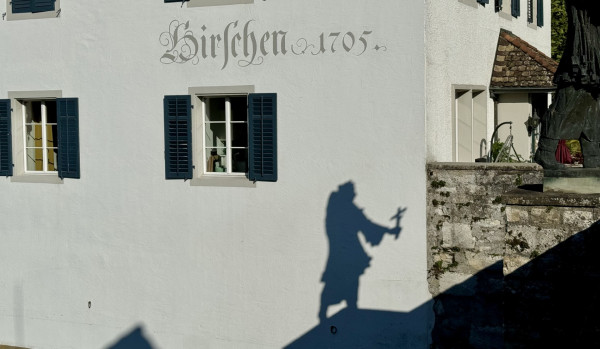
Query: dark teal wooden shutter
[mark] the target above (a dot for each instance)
(42, 5)
(515, 8)
(498, 6)
(540, 13)
(67, 113)
(262, 143)
(483, 2)
(21, 6)
(6, 168)
(178, 137)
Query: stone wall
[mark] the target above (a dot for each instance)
(466, 219)
(509, 265)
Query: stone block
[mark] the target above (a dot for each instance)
(513, 262)
(513, 214)
(578, 219)
(457, 284)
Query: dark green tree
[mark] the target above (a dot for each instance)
(559, 28)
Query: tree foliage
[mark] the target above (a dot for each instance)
(559, 28)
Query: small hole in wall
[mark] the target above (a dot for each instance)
(333, 329)
(89, 304)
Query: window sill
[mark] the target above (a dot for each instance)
(222, 181)
(505, 15)
(37, 178)
(471, 3)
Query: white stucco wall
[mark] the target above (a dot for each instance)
(218, 267)
(461, 42)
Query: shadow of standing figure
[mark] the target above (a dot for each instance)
(347, 259)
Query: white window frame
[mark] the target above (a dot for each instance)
(45, 148)
(533, 9)
(10, 16)
(18, 136)
(201, 176)
(505, 11)
(478, 105)
(228, 134)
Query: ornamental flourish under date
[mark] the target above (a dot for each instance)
(242, 44)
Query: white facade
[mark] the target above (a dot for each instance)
(364, 94)
(197, 264)
(461, 38)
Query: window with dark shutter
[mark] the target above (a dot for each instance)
(540, 13)
(42, 5)
(498, 5)
(21, 6)
(67, 114)
(262, 120)
(483, 2)
(515, 9)
(33, 6)
(6, 168)
(178, 137)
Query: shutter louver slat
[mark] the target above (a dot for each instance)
(6, 168)
(178, 137)
(67, 113)
(262, 147)
(42, 5)
(21, 6)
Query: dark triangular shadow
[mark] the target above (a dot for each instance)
(554, 300)
(361, 328)
(133, 340)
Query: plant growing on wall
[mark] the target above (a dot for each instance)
(559, 28)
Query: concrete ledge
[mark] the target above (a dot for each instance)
(533, 196)
(572, 180)
(517, 166)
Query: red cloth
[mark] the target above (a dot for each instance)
(563, 155)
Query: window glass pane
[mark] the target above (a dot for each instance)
(216, 160)
(33, 135)
(239, 135)
(238, 108)
(51, 112)
(50, 135)
(33, 112)
(215, 135)
(215, 109)
(52, 156)
(35, 159)
(239, 160)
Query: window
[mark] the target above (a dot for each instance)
(470, 124)
(201, 3)
(225, 130)
(39, 136)
(32, 9)
(515, 8)
(498, 5)
(540, 13)
(221, 137)
(535, 10)
(41, 149)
